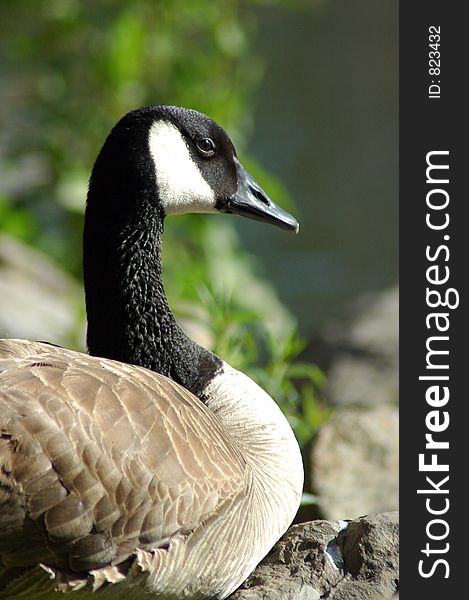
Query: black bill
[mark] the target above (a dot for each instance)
(251, 201)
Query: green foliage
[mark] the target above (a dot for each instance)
(17, 221)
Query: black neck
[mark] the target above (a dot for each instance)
(128, 314)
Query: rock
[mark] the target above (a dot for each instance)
(37, 300)
(364, 345)
(371, 323)
(356, 381)
(354, 457)
(355, 462)
(356, 560)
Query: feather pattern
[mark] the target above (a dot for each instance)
(99, 458)
(108, 466)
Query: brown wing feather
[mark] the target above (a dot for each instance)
(98, 458)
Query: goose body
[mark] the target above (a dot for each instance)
(150, 463)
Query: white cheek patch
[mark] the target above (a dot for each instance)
(181, 185)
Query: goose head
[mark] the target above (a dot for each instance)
(158, 161)
(183, 162)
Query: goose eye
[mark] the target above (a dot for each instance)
(206, 147)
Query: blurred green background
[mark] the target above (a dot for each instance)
(307, 89)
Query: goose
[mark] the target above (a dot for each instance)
(148, 465)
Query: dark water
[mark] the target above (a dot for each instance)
(326, 125)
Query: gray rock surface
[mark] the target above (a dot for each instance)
(353, 465)
(365, 348)
(356, 560)
(37, 300)
(355, 462)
